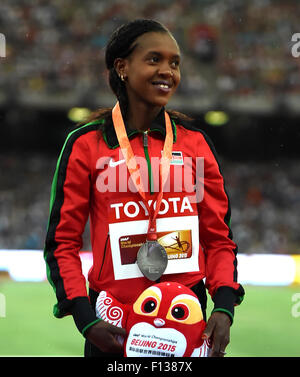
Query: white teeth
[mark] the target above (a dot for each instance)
(162, 85)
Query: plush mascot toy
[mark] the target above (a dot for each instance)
(165, 321)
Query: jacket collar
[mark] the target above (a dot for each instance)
(158, 125)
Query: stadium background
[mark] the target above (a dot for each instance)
(239, 79)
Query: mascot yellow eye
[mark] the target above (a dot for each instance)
(185, 309)
(148, 302)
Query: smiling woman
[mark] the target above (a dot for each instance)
(151, 75)
(138, 51)
(143, 62)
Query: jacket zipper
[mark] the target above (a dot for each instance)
(146, 152)
(104, 254)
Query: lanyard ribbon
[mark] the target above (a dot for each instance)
(164, 167)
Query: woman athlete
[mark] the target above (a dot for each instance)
(143, 60)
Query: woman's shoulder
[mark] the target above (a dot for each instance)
(187, 123)
(192, 128)
(95, 122)
(96, 118)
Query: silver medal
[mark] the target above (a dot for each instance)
(152, 260)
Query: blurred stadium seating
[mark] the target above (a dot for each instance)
(236, 53)
(236, 57)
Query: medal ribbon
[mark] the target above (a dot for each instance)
(164, 167)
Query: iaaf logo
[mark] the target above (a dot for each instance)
(187, 177)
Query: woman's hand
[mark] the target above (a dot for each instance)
(104, 336)
(218, 330)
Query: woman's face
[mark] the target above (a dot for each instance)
(152, 71)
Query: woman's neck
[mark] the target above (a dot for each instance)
(141, 116)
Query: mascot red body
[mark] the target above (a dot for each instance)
(166, 320)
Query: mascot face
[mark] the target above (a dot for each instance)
(166, 320)
(167, 302)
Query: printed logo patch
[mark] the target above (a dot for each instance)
(178, 245)
(177, 158)
(113, 163)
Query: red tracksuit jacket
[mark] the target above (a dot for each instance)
(91, 181)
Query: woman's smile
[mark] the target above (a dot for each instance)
(163, 86)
